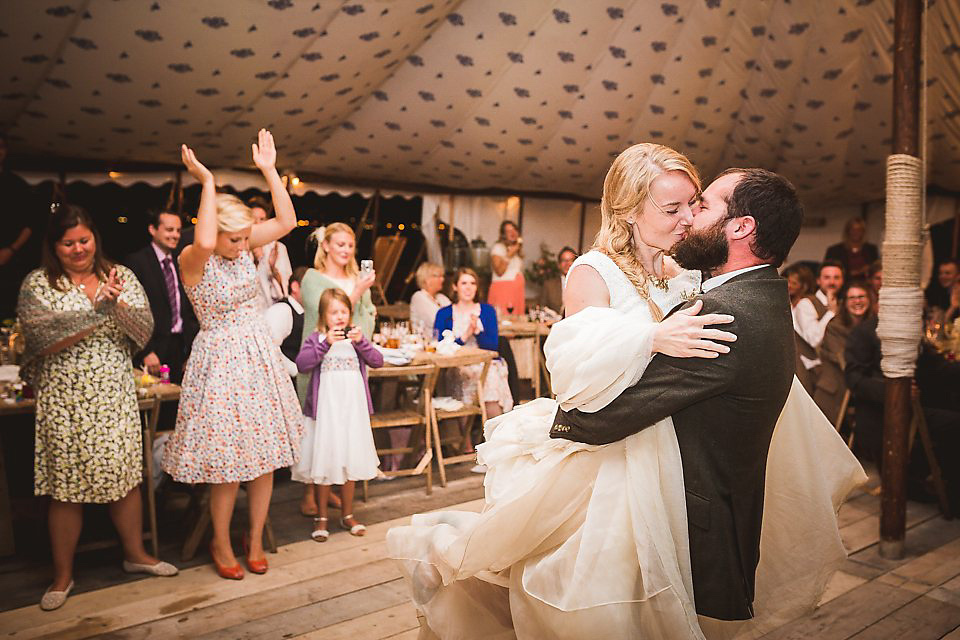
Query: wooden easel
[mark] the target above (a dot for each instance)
(386, 255)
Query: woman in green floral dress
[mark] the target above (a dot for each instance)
(83, 317)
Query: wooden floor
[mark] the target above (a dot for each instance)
(345, 588)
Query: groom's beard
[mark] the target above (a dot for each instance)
(703, 250)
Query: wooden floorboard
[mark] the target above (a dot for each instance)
(386, 623)
(921, 619)
(346, 588)
(322, 615)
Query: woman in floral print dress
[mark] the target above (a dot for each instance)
(83, 317)
(239, 418)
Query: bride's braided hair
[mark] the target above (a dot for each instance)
(625, 189)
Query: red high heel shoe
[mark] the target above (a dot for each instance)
(228, 573)
(255, 566)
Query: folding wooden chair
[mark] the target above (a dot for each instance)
(418, 420)
(919, 425)
(477, 408)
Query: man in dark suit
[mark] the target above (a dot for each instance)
(174, 323)
(725, 408)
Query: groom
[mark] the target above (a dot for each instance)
(724, 409)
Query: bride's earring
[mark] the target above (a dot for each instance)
(631, 221)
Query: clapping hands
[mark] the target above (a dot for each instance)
(111, 290)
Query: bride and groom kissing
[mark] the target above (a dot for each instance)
(682, 484)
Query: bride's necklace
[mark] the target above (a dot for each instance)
(660, 283)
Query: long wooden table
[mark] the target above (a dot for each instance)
(149, 406)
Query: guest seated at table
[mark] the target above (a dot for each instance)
(474, 324)
(875, 277)
(953, 310)
(938, 291)
(82, 318)
(855, 303)
(507, 284)
(428, 300)
(551, 291)
(865, 380)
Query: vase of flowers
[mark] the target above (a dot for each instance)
(544, 268)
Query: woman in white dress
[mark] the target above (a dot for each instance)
(591, 541)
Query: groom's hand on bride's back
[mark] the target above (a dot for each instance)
(685, 334)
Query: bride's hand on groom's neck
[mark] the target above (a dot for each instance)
(685, 334)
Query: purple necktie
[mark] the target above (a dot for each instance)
(171, 283)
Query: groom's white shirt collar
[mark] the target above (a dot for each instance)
(716, 281)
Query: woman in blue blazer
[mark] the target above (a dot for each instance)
(474, 324)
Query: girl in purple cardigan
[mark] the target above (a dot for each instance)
(337, 445)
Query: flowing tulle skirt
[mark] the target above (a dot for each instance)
(582, 541)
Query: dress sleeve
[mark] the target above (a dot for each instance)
(365, 315)
(488, 338)
(594, 355)
(312, 352)
(284, 268)
(133, 315)
(279, 317)
(43, 325)
(443, 321)
(368, 353)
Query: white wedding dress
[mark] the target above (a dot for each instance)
(580, 541)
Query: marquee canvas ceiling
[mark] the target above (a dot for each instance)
(531, 95)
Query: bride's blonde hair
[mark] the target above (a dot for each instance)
(625, 190)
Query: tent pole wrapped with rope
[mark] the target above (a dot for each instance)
(901, 300)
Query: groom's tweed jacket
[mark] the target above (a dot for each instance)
(724, 411)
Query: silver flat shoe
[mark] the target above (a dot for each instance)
(164, 569)
(54, 599)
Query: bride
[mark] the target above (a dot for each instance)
(591, 541)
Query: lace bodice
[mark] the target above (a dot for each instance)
(624, 296)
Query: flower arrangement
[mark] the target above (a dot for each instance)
(544, 268)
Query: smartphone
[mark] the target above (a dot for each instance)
(366, 266)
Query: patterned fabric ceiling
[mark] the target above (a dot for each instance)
(536, 95)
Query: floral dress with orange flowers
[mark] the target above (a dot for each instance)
(239, 417)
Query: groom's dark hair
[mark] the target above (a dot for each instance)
(773, 202)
